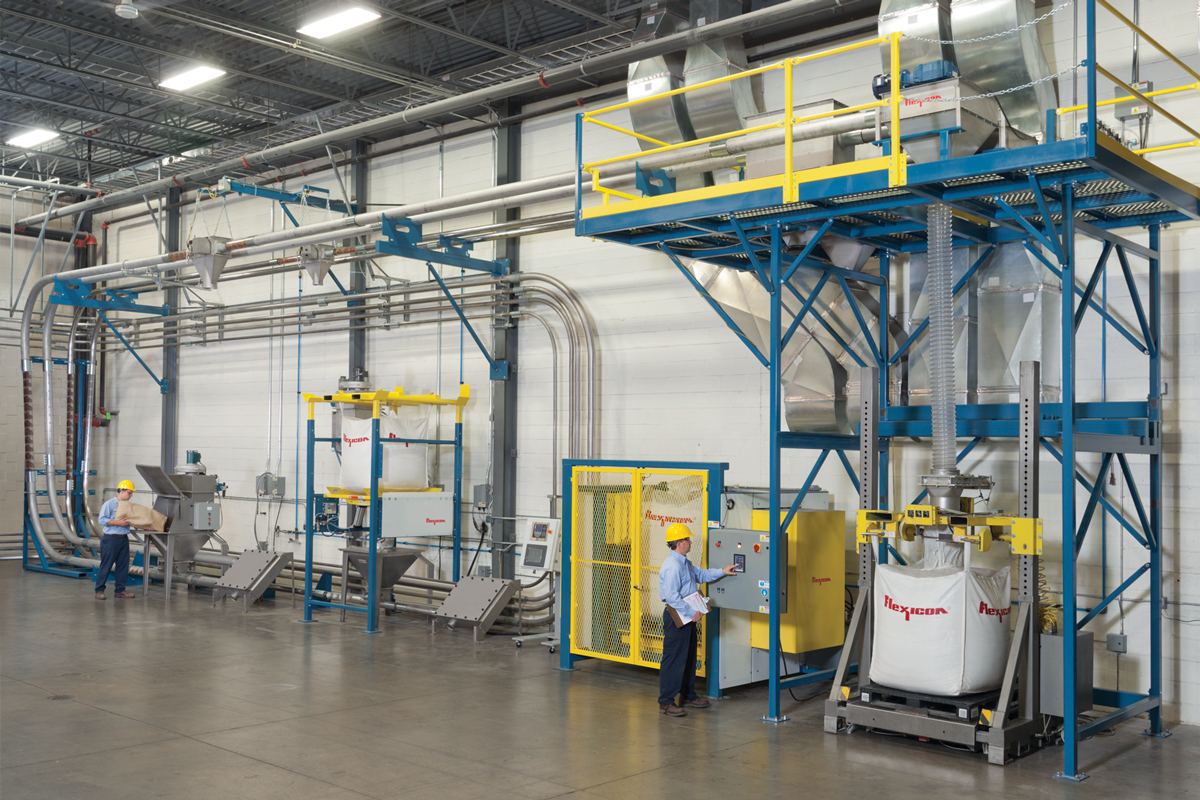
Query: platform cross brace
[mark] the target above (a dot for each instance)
(1121, 329)
(237, 187)
(404, 236)
(162, 383)
(72, 294)
(733, 326)
(498, 369)
(1102, 500)
(970, 273)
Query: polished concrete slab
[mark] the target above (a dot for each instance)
(132, 699)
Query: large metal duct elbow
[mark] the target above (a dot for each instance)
(924, 24)
(1016, 59)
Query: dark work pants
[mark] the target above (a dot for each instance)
(677, 673)
(114, 555)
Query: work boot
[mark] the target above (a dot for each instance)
(99, 595)
(699, 702)
(131, 594)
(671, 710)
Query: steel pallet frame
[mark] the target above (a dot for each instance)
(374, 499)
(1046, 196)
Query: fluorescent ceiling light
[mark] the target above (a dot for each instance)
(339, 22)
(32, 138)
(193, 77)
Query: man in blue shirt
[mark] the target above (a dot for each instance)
(114, 544)
(678, 578)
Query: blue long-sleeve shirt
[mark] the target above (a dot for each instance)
(677, 578)
(108, 513)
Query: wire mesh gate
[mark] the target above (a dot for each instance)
(618, 521)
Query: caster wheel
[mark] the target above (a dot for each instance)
(518, 644)
(551, 649)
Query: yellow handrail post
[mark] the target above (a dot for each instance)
(789, 186)
(898, 174)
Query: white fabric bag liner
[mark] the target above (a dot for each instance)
(405, 466)
(942, 631)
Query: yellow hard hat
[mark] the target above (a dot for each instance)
(678, 531)
(125, 485)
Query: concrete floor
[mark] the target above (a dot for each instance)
(129, 700)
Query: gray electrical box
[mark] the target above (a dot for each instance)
(206, 516)
(748, 588)
(409, 514)
(1134, 108)
(268, 485)
(1052, 673)
(480, 493)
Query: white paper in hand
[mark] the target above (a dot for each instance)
(697, 602)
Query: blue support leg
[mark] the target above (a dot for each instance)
(1155, 396)
(457, 559)
(308, 526)
(374, 510)
(778, 538)
(1070, 769)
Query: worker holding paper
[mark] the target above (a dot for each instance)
(678, 581)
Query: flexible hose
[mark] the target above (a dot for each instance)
(941, 336)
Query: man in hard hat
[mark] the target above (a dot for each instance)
(678, 578)
(114, 544)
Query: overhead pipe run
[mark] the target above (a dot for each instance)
(582, 70)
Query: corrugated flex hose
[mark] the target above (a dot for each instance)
(941, 336)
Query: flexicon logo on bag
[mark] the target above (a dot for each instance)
(988, 611)
(892, 605)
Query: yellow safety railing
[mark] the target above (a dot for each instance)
(1145, 97)
(895, 162)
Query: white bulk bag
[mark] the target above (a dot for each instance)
(404, 465)
(940, 631)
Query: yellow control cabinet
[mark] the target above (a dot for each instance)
(815, 616)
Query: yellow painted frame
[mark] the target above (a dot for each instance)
(635, 565)
(896, 163)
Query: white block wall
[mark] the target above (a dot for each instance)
(675, 383)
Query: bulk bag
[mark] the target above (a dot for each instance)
(942, 631)
(405, 466)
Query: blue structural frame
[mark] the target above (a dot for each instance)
(72, 293)
(1045, 196)
(375, 511)
(716, 488)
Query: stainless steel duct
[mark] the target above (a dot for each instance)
(1006, 61)
(917, 19)
(722, 108)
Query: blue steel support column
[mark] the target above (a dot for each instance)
(1156, 728)
(1070, 600)
(457, 561)
(308, 520)
(1090, 37)
(373, 530)
(778, 542)
(884, 384)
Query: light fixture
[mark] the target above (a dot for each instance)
(339, 22)
(125, 9)
(193, 77)
(32, 138)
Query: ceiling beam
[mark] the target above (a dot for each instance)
(180, 51)
(197, 137)
(187, 100)
(296, 45)
(453, 34)
(561, 6)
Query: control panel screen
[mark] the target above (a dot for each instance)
(538, 534)
(739, 562)
(535, 555)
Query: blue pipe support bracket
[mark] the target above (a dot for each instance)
(403, 240)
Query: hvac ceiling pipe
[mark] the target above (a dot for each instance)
(582, 70)
(13, 180)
